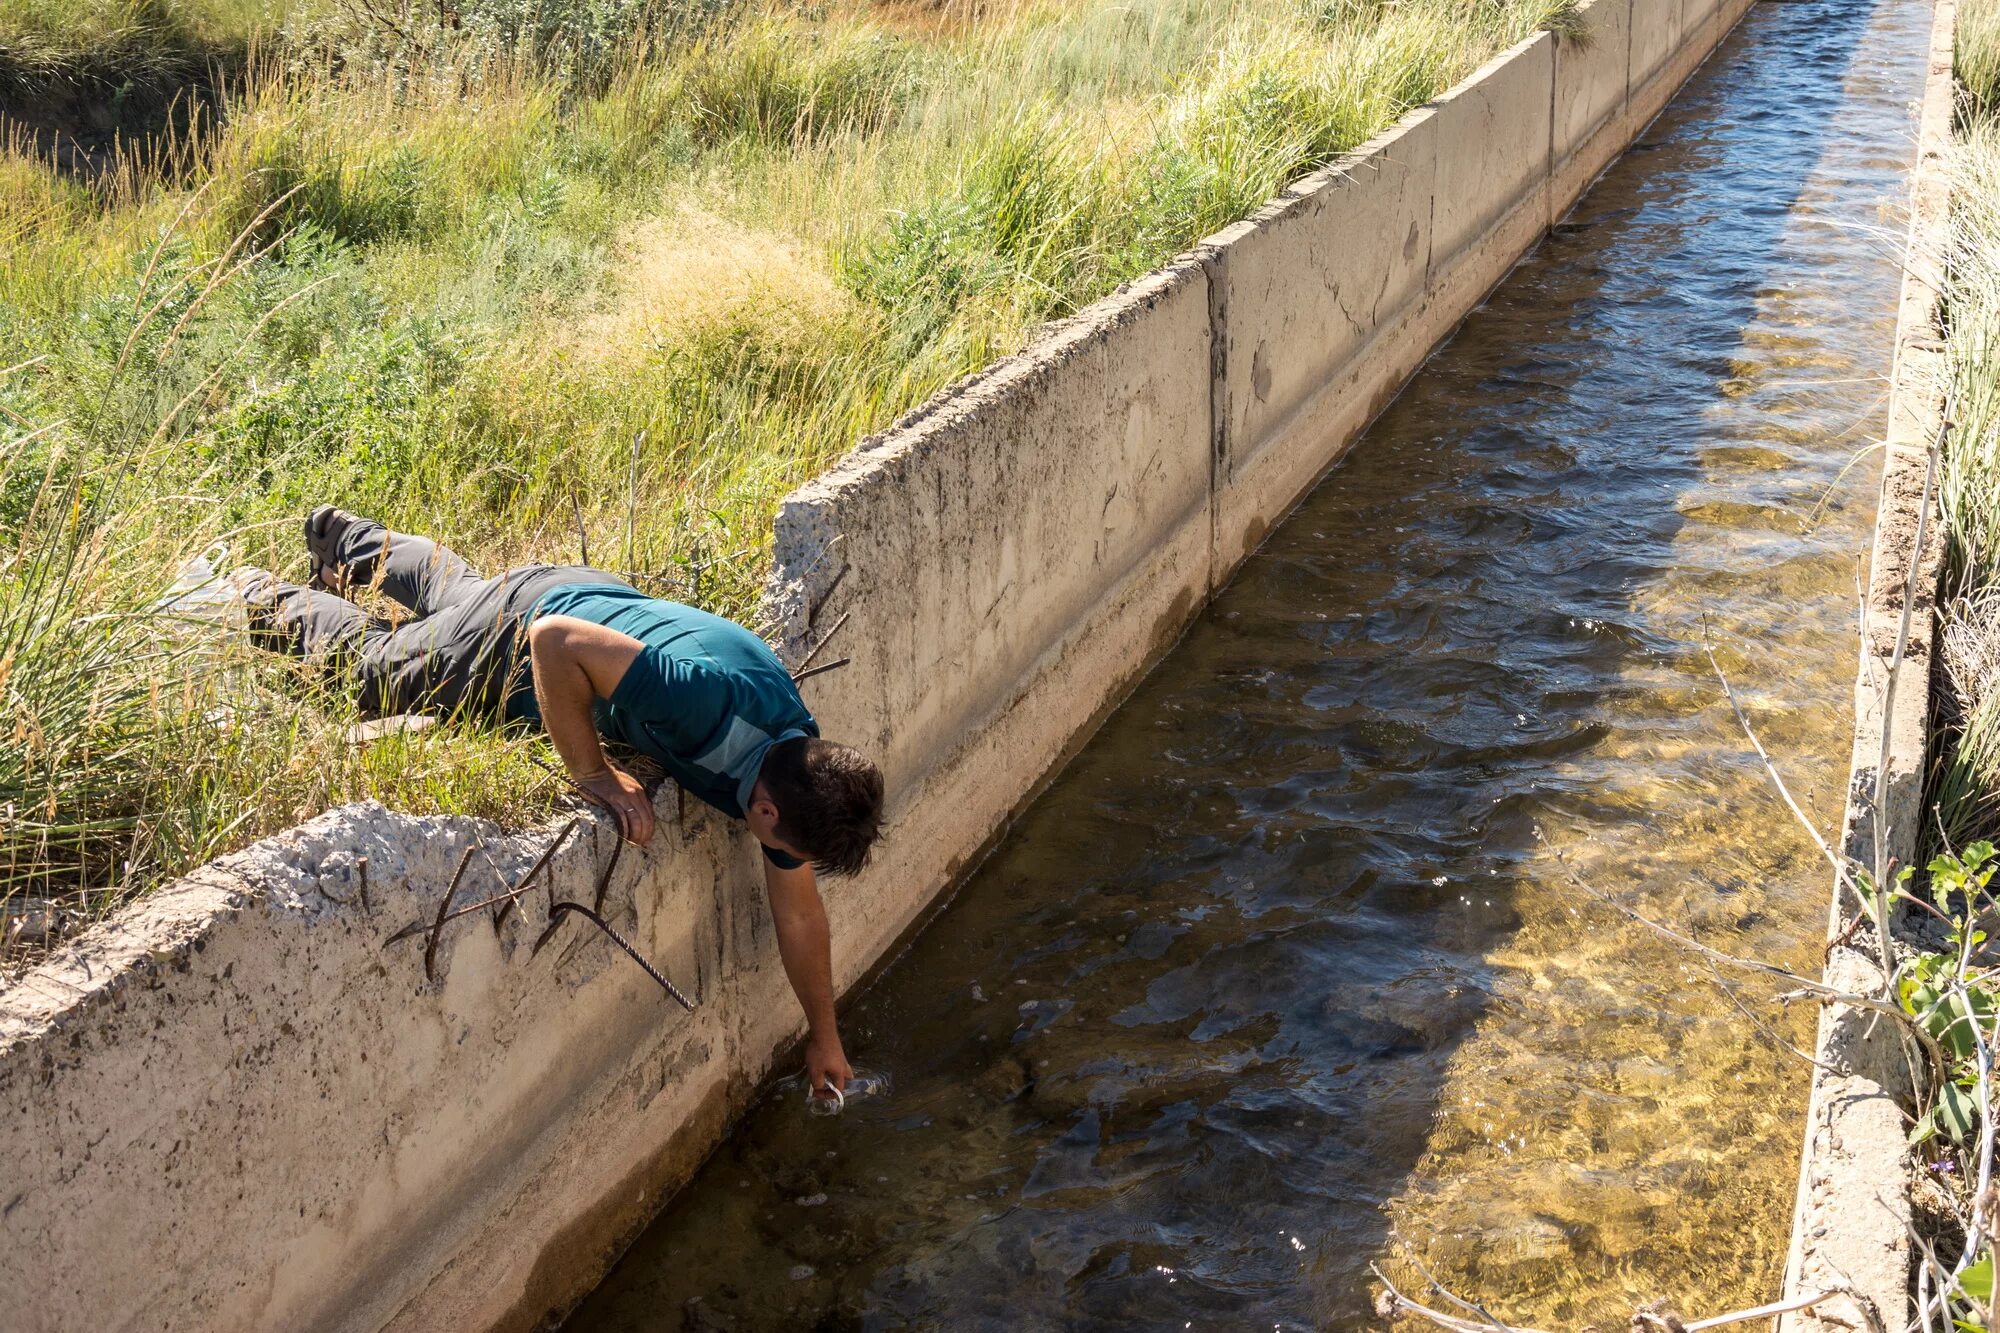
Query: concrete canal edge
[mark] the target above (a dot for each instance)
(233, 1106)
(1851, 1223)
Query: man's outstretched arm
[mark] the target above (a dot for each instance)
(806, 946)
(575, 663)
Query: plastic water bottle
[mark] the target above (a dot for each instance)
(864, 1085)
(199, 591)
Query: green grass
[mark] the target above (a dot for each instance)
(1976, 58)
(121, 56)
(1965, 784)
(455, 281)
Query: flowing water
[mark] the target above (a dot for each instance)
(1279, 978)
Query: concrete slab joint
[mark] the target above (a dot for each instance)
(233, 1108)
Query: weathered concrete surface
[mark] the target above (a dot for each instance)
(1851, 1222)
(1306, 362)
(231, 1108)
(1655, 44)
(1592, 80)
(1492, 201)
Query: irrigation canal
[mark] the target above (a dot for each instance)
(1278, 977)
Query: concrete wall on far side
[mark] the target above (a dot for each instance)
(236, 1106)
(1590, 128)
(1302, 364)
(1409, 233)
(1492, 201)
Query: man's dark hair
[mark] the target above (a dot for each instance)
(829, 800)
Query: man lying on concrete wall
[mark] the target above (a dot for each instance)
(588, 658)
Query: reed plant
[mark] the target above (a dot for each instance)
(1965, 785)
(549, 277)
(1976, 59)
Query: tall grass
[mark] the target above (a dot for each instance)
(454, 281)
(49, 45)
(141, 738)
(1976, 57)
(1965, 786)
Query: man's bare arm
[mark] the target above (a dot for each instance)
(806, 946)
(576, 662)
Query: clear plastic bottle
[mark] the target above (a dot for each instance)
(866, 1084)
(199, 591)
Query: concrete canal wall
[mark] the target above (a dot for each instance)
(235, 1107)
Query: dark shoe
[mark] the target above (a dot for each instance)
(325, 527)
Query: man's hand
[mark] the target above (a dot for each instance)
(627, 799)
(826, 1063)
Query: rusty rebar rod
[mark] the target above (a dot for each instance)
(564, 908)
(604, 880)
(437, 927)
(508, 897)
(825, 639)
(821, 669)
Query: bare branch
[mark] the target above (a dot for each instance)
(1841, 871)
(1881, 904)
(1441, 1289)
(1769, 1033)
(1392, 1302)
(1806, 986)
(1765, 1311)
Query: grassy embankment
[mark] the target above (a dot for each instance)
(474, 276)
(1967, 787)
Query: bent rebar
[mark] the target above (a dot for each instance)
(564, 908)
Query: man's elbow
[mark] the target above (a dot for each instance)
(552, 647)
(545, 635)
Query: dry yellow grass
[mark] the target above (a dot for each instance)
(676, 278)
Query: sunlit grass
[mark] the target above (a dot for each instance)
(1976, 55)
(461, 285)
(1965, 784)
(49, 45)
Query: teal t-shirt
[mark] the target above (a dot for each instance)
(705, 697)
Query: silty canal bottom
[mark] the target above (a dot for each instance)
(1276, 977)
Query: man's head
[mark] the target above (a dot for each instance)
(819, 801)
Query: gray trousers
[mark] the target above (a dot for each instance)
(464, 655)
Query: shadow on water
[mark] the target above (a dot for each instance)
(1278, 963)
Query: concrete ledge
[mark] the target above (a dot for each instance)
(1851, 1221)
(232, 1108)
